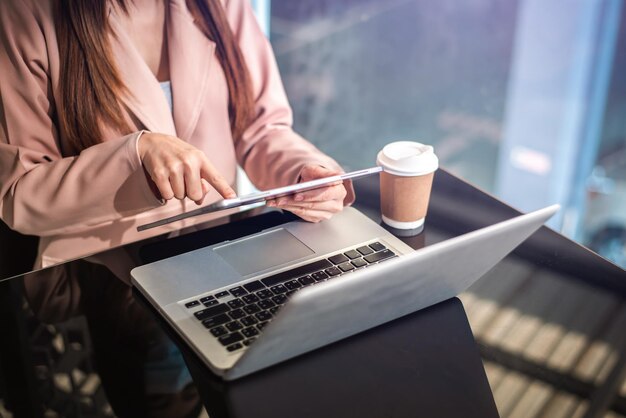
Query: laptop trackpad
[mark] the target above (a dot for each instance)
(263, 251)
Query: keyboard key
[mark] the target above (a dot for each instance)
(251, 309)
(192, 304)
(293, 285)
(306, 280)
(274, 310)
(265, 294)
(253, 286)
(237, 313)
(319, 276)
(365, 250)
(352, 254)
(338, 259)
(279, 299)
(238, 291)
(278, 289)
(248, 341)
(216, 320)
(248, 321)
(234, 326)
(346, 267)
(250, 332)
(359, 262)
(234, 347)
(222, 294)
(264, 316)
(372, 258)
(230, 338)
(333, 271)
(211, 302)
(218, 331)
(261, 325)
(250, 299)
(207, 298)
(236, 303)
(212, 311)
(377, 246)
(266, 304)
(297, 272)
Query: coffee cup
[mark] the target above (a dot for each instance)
(405, 184)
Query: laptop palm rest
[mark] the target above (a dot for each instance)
(285, 247)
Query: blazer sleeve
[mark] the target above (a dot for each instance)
(41, 192)
(269, 151)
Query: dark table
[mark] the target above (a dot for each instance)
(76, 338)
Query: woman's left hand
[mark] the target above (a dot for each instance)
(317, 204)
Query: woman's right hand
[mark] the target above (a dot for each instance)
(179, 169)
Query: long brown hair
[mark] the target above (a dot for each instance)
(91, 87)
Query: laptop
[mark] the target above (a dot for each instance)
(248, 304)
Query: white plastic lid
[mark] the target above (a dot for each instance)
(407, 158)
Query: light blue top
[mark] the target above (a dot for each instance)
(166, 86)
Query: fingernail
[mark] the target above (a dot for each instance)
(281, 202)
(299, 197)
(271, 203)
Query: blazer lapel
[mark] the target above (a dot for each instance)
(145, 98)
(190, 54)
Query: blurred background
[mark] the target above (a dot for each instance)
(525, 99)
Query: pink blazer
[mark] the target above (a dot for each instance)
(83, 204)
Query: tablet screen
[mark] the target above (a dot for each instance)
(263, 196)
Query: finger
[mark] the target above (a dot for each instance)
(193, 184)
(331, 206)
(350, 195)
(309, 214)
(178, 183)
(291, 201)
(314, 171)
(162, 181)
(215, 179)
(206, 188)
(336, 192)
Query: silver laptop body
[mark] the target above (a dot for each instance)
(328, 310)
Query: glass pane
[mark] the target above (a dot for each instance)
(360, 74)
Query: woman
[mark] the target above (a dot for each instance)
(89, 145)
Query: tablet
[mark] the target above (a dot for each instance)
(263, 196)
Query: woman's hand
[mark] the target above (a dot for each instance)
(317, 204)
(180, 170)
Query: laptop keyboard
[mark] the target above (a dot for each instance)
(235, 317)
